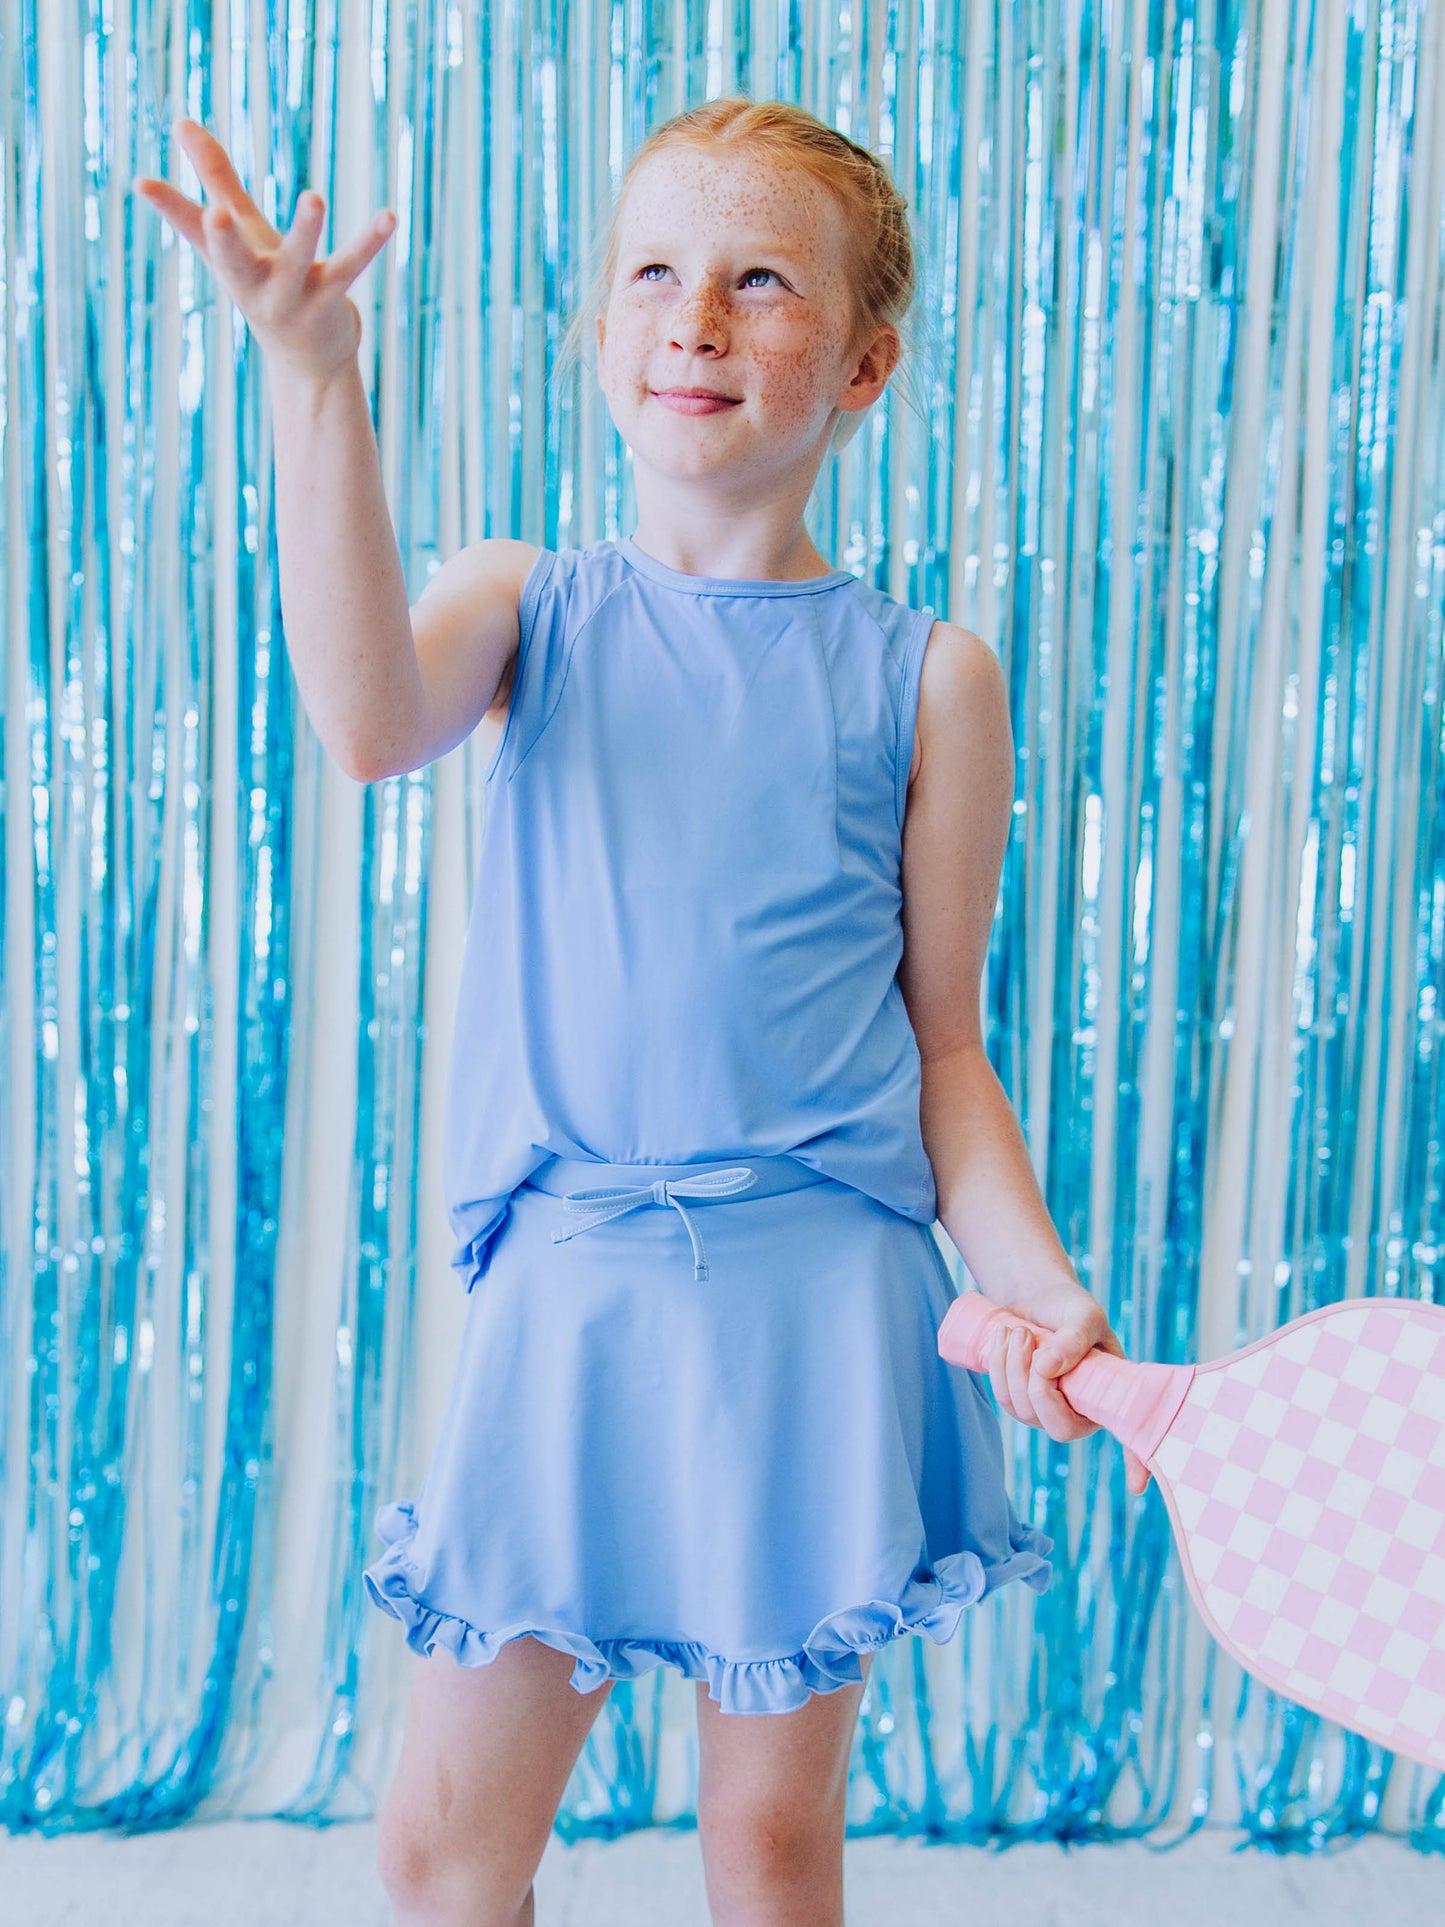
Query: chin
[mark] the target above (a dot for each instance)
(668, 453)
(670, 465)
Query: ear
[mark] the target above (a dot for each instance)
(873, 364)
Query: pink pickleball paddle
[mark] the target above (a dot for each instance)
(1305, 1479)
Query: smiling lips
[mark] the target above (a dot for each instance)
(694, 401)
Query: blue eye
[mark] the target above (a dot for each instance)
(643, 273)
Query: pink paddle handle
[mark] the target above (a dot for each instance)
(1137, 1403)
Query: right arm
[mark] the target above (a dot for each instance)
(343, 593)
(386, 688)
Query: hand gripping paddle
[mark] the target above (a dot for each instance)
(1305, 1479)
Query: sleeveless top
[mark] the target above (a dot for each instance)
(685, 937)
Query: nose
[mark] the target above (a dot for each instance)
(701, 322)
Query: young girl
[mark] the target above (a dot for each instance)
(702, 1107)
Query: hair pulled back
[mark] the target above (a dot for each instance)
(881, 272)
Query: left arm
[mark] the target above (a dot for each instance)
(960, 804)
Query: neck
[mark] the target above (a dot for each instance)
(731, 551)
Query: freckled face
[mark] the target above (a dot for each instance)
(730, 276)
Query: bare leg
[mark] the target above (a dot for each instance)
(485, 1760)
(772, 1809)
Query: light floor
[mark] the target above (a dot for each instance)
(269, 1874)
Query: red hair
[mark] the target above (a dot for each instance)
(882, 275)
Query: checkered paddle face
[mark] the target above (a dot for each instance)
(1306, 1475)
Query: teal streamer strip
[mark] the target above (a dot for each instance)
(1184, 465)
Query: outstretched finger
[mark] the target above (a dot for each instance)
(183, 215)
(213, 165)
(342, 268)
(298, 249)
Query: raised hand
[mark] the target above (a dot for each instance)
(296, 306)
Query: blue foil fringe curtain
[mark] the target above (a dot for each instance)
(1185, 467)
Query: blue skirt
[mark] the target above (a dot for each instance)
(717, 1438)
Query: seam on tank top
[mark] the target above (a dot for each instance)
(913, 652)
(539, 573)
(822, 648)
(906, 701)
(569, 646)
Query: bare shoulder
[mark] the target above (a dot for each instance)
(489, 556)
(959, 672)
(504, 564)
(476, 593)
(465, 625)
(486, 571)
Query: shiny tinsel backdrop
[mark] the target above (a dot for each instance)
(1182, 463)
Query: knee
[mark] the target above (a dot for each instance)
(415, 1869)
(763, 1840)
(432, 1877)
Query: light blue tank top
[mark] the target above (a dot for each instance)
(686, 931)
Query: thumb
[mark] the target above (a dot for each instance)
(1062, 1350)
